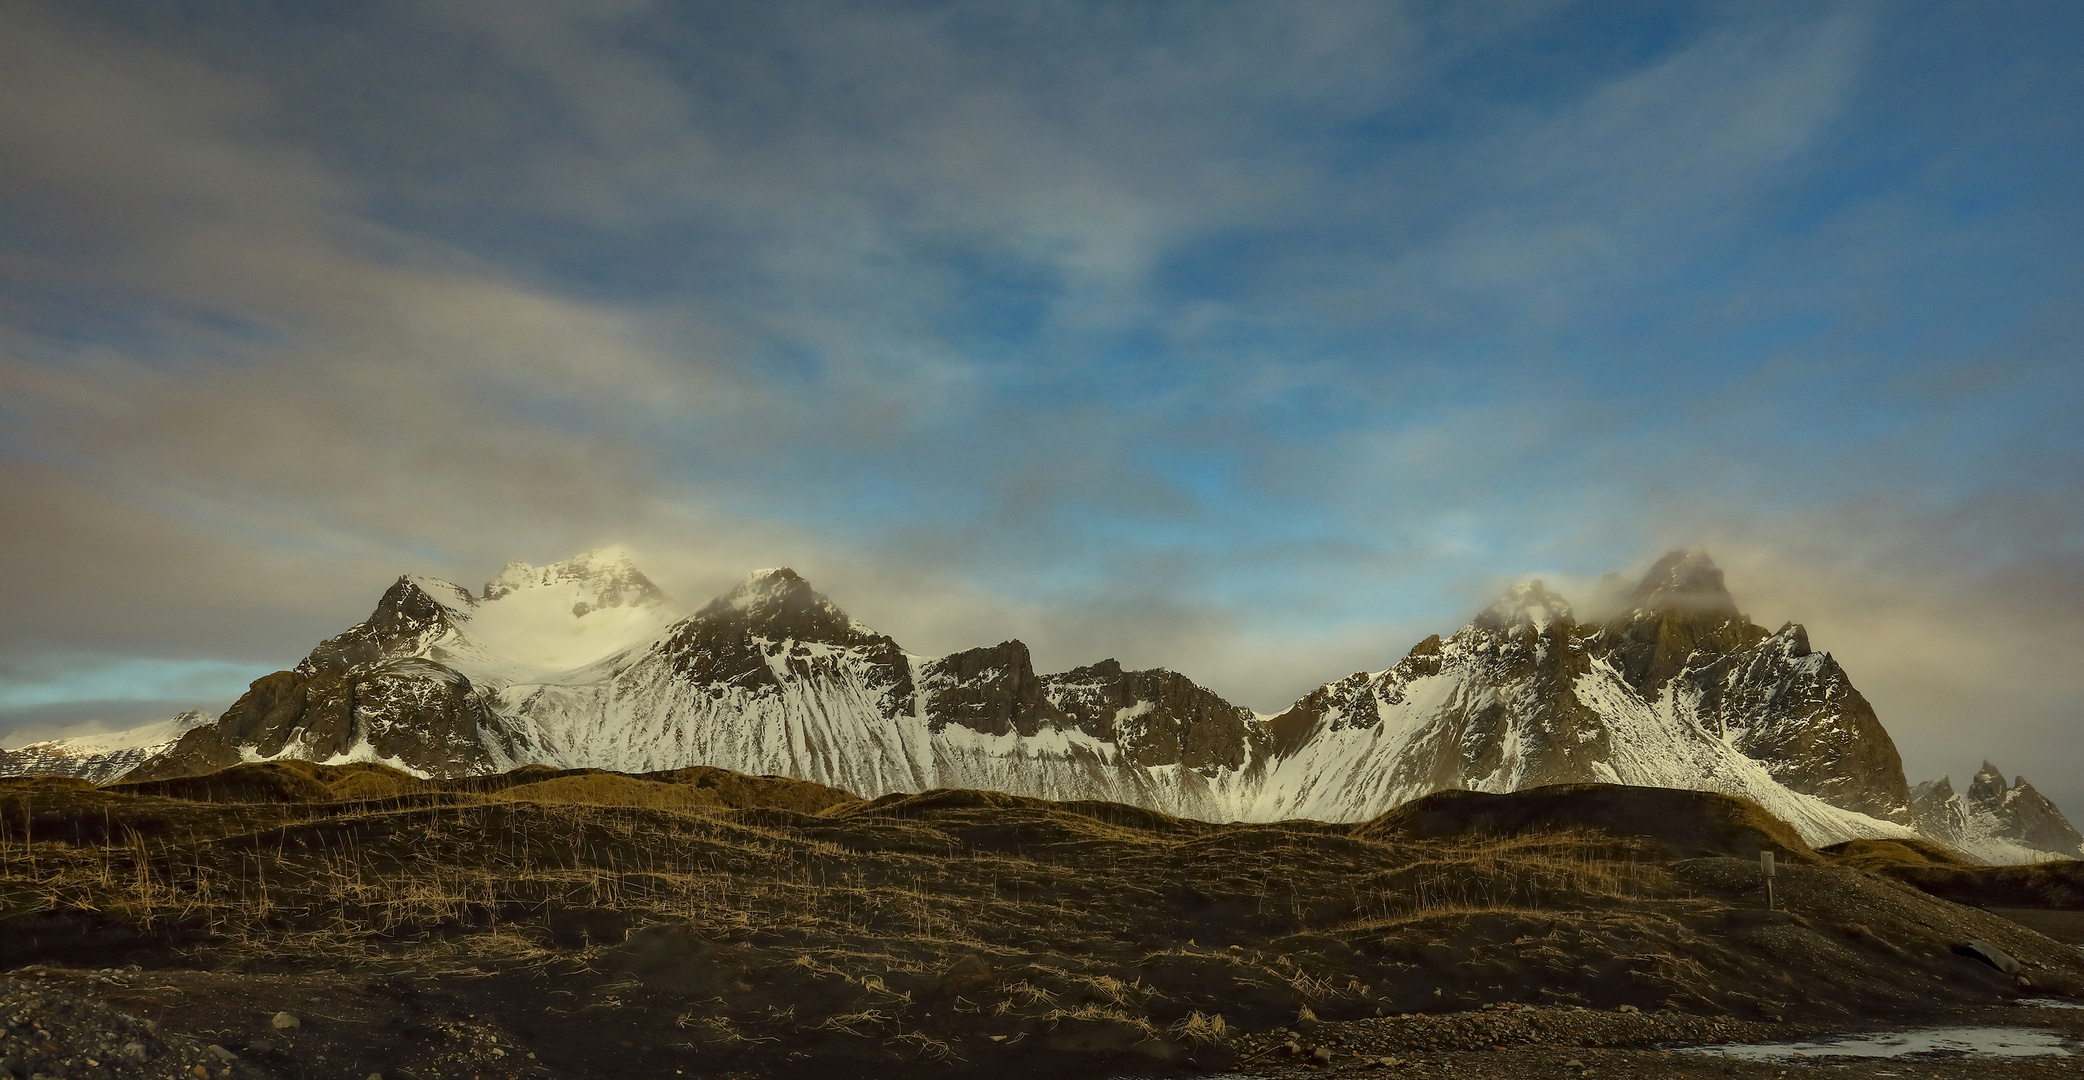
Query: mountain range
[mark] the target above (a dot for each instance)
(587, 664)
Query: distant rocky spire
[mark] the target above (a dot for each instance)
(2017, 813)
(1686, 580)
(1529, 603)
(1679, 607)
(777, 603)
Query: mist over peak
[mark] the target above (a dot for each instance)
(1529, 603)
(1684, 580)
(608, 576)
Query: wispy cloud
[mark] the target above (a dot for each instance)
(1256, 341)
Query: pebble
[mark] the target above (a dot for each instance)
(284, 1021)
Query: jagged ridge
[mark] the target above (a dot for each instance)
(1995, 822)
(1675, 688)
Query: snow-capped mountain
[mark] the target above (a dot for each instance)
(587, 664)
(1677, 690)
(1995, 822)
(416, 684)
(101, 758)
(768, 678)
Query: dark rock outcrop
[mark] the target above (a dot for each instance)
(1775, 699)
(775, 626)
(993, 690)
(352, 690)
(1158, 717)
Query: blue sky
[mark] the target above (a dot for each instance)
(1253, 340)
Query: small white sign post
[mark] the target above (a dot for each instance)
(1765, 866)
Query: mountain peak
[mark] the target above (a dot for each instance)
(762, 588)
(1941, 789)
(1529, 603)
(609, 575)
(778, 603)
(1686, 579)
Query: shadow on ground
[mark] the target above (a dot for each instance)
(583, 924)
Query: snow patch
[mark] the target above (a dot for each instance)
(1938, 1042)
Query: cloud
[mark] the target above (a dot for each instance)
(125, 680)
(1253, 341)
(308, 404)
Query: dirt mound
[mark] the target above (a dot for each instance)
(737, 791)
(1684, 824)
(260, 782)
(2058, 885)
(31, 784)
(1875, 854)
(706, 911)
(276, 782)
(906, 805)
(1944, 872)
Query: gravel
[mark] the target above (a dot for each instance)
(51, 1028)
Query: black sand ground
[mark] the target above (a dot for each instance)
(702, 923)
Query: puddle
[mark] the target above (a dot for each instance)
(2049, 1003)
(1940, 1042)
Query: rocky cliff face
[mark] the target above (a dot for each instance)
(774, 628)
(1995, 822)
(1682, 640)
(1158, 717)
(584, 664)
(992, 691)
(1490, 708)
(1675, 689)
(368, 693)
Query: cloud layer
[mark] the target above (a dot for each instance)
(1253, 341)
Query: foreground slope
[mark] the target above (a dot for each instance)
(710, 924)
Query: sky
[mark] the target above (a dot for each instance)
(1253, 340)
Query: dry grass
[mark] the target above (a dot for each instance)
(374, 873)
(1544, 870)
(855, 921)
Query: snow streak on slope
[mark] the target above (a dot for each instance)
(1419, 731)
(1664, 744)
(100, 758)
(823, 720)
